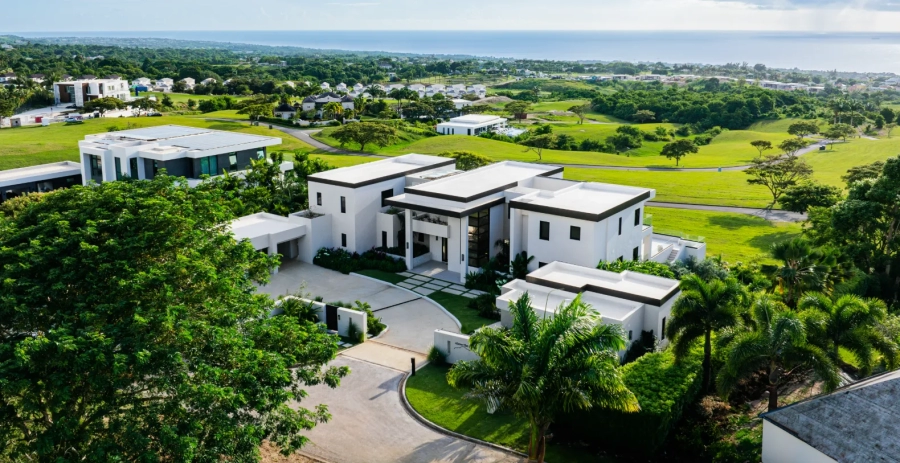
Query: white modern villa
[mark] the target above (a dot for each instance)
(471, 124)
(183, 151)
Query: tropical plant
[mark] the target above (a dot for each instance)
(540, 368)
(519, 265)
(703, 308)
(777, 345)
(848, 322)
(303, 311)
(647, 267)
(333, 108)
(467, 160)
(803, 268)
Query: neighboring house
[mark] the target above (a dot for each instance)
(66, 78)
(165, 84)
(286, 111)
(316, 102)
(325, 86)
(7, 77)
(78, 92)
(38, 179)
(210, 81)
(341, 87)
(141, 82)
(857, 423)
(182, 151)
(471, 124)
(358, 87)
(39, 78)
(458, 216)
(416, 87)
(6, 46)
(189, 82)
(459, 103)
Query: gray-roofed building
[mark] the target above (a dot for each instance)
(38, 179)
(316, 102)
(857, 423)
(188, 152)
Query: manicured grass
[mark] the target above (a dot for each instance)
(32, 145)
(829, 165)
(556, 105)
(458, 306)
(389, 277)
(342, 160)
(715, 188)
(183, 97)
(431, 396)
(736, 237)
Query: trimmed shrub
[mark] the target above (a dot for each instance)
(702, 140)
(374, 326)
(486, 305)
(488, 279)
(663, 388)
(354, 334)
(345, 262)
(436, 357)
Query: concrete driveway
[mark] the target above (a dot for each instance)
(370, 425)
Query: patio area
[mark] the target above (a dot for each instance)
(433, 277)
(437, 270)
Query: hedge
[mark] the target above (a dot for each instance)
(345, 262)
(663, 388)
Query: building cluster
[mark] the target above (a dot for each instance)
(165, 85)
(449, 91)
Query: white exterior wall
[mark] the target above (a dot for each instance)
(779, 446)
(363, 204)
(632, 235)
(653, 318)
(560, 248)
(455, 346)
(458, 245)
(498, 227)
(318, 236)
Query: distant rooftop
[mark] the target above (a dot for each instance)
(483, 181)
(631, 286)
(860, 422)
(545, 298)
(38, 173)
(585, 201)
(475, 119)
(176, 138)
(379, 171)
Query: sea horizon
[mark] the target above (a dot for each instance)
(805, 50)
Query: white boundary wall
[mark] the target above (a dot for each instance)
(455, 346)
(344, 315)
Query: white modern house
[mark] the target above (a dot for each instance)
(210, 81)
(79, 92)
(857, 423)
(189, 82)
(38, 179)
(432, 213)
(182, 151)
(471, 124)
(141, 82)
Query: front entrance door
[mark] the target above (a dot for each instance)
(444, 250)
(331, 317)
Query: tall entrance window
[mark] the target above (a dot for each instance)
(479, 238)
(209, 166)
(118, 169)
(132, 165)
(96, 168)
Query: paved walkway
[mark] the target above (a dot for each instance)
(426, 285)
(774, 215)
(370, 424)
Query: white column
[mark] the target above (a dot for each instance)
(273, 249)
(513, 235)
(409, 239)
(85, 168)
(463, 248)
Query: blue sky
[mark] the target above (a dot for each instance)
(137, 15)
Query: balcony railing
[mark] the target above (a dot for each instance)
(430, 219)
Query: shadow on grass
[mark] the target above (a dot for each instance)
(764, 242)
(738, 221)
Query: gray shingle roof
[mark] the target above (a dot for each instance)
(858, 423)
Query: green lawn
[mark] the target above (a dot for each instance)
(458, 306)
(736, 237)
(183, 97)
(563, 105)
(32, 145)
(431, 396)
(829, 165)
(341, 160)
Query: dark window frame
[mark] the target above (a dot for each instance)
(637, 217)
(385, 195)
(318, 198)
(343, 204)
(574, 233)
(544, 230)
(636, 253)
(343, 240)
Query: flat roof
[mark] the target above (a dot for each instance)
(375, 172)
(475, 119)
(439, 206)
(859, 422)
(161, 132)
(259, 227)
(585, 201)
(550, 299)
(40, 172)
(483, 181)
(632, 286)
(186, 138)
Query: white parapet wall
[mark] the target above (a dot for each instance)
(345, 315)
(455, 346)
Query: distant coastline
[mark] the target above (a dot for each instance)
(860, 52)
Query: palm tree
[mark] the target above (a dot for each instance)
(849, 322)
(334, 108)
(703, 307)
(802, 269)
(778, 345)
(541, 367)
(359, 104)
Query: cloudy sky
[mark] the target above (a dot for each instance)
(160, 15)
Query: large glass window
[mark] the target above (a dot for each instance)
(118, 169)
(96, 168)
(132, 165)
(232, 162)
(209, 166)
(479, 238)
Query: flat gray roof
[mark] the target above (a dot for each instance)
(627, 285)
(483, 181)
(379, 171)
(586, 201)
(37, 173)
(188, 138)
(860, 422)
(161, 132)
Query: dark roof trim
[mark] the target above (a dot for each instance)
(373, 181)
(589, 216)
(601, 290)
(448, 213)
(466, 199)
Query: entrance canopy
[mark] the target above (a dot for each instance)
(266, 231)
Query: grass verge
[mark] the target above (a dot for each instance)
(458, 306)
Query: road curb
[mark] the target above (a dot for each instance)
(421, 419)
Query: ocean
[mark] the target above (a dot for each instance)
(860, 52)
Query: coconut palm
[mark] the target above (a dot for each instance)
(777, 345)
(359, 104)
(542, 367)
(803, 268)
(849, 322)
(704, 307)
(334, 108)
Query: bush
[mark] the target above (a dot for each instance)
(683, 131)
(663, 389)
(436, 357)
(374, 325)
(646, 344)
(354, 334)
(702, 140)
(345, 262)
(486, 305)
(488, 279)
(646, 267)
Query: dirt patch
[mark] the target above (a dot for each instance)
(269, 453)
(493, 100)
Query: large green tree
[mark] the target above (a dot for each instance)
(130, 330)
(679, 149)
(848, 322)
(777, 173)
(542, 367)
(365, 133)
(703, 308)
(802, 267)
(776, 344)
